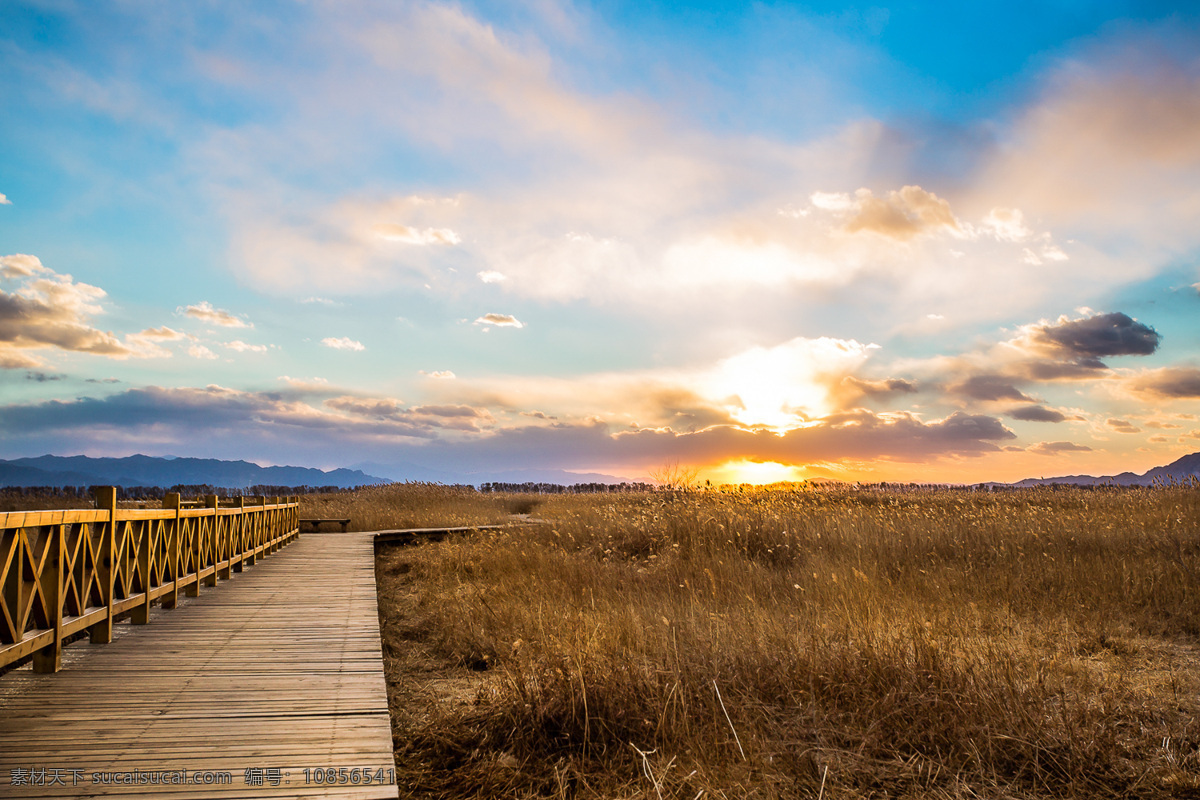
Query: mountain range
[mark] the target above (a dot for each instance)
(142, 470)
(406, 471)
(165, 472)
(1175, 472)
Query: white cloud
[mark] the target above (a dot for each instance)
(441, 374)
(20, 265)
(500, 321)
(900, 214)
(317, 386)
(162, 333)
(715, 260)
(832, 201)
(343, 343)
(205, 312)
(200, 351)
(1129, 109)
(47, 310)
(238, 346)
(296, 245)
(784, 385)
(393, 232)
(4, 201)
(660, 207)
(1007, 224)
(147, 343)
(1054, 253)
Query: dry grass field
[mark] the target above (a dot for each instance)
(408, 505)
(39, 500)
(790, 643)
(832, 643)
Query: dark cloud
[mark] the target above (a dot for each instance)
(372, 408)
(42, 377)
(457, 417)
(1055, 448)
(190, 415)
(228, 423)
(990, 387)
(1037, 414)
(856, 435)
(450, 411)
(1092, 338)
(1169, 382)
(1041, 370)
(684, 410)
(1072, 349)
(886, 386)
(1122, 426)
(48, 310)
(38, 322)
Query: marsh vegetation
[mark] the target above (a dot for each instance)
(795, 643)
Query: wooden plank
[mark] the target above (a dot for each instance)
(278, 670)
(22, 519)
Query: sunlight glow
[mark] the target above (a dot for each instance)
(753, 472)
(786, 386)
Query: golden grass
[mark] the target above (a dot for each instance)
(407, 505)
(840, 643)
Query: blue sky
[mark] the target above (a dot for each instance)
(779, 240)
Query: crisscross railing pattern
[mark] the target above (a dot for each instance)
(62, 572)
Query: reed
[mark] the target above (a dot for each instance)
(406, 505)
(790, 643)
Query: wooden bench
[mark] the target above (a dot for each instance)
(316, 523)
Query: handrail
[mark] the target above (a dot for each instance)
(62, 572)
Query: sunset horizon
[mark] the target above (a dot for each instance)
(766, 242)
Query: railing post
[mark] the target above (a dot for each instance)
(264, 527)
(193, 588)
(279, 530)
(294, 524)
(213, 502)
(49, 658)
(241, 529)
(140, 614)
(174, 549)
(255, 529)
(106, 500)
(222, 528)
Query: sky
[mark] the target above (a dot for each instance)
(767, 241)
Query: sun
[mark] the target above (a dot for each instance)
(756, 473)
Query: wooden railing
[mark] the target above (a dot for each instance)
(62, 572)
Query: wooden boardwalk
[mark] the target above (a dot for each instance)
(269, 685)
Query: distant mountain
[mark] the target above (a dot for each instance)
(559, 476)
(148, 471)
(1179, 470)
(401, 471)
(406, 471)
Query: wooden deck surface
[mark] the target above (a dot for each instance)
(272, 673)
